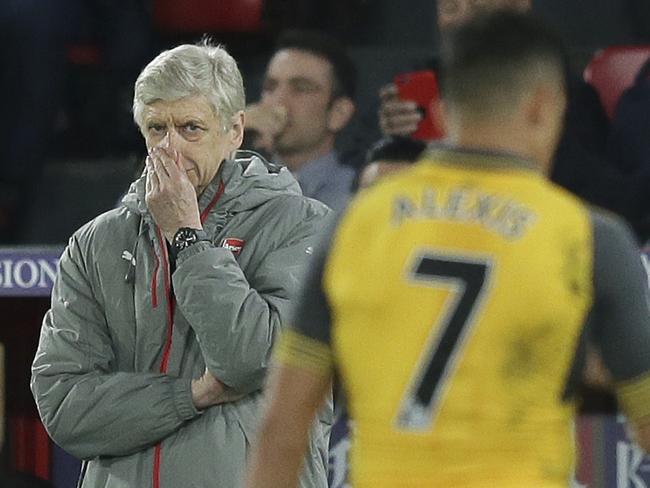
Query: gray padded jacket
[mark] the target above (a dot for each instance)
(123, 339)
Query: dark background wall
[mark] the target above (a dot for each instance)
(95, 149)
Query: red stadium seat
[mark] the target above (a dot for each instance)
(83, 54)
(198, 16)
(612, 70)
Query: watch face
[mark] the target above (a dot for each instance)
(188, 235)
(184, 238)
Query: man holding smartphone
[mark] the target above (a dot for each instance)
(399, 115)
(580, 164)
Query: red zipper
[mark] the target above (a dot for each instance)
(213, 202)
(154, 280)
(171, 304)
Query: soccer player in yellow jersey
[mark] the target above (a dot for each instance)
(455, 299)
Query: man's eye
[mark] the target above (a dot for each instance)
(156, 128)
(191, 128)
(269, 86)
(305, 87)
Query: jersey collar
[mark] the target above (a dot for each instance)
(477, 158)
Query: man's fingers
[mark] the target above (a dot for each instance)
(399, 107)
(157, 167)
(400, 125)
(280, 117)
(174, 166)
(166, 163)
(266, 119)
(153, 181)
(388, 92)
(404, 131)
(399, 118)
(408, 120)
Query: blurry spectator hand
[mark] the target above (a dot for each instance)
(397, 117)
(595, 373)
(170, 196)
(208, 391)
(268, 121)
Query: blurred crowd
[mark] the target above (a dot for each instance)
(70, 67)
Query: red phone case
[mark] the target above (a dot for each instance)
(422, 88)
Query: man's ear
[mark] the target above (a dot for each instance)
(340, 113)
(237, 130)
(439, 115)
(541, 105)
(542, 113)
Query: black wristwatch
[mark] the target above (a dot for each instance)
(185, 237)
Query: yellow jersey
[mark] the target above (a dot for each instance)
(456, 293)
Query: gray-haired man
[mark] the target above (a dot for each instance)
(154, 353)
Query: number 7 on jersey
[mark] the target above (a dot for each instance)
(467, 278)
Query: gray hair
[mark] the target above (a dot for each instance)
(189, 70)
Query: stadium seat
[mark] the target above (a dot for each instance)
(83, 54)
(198, 16)
(610, 71)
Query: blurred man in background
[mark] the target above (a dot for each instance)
(307, 99)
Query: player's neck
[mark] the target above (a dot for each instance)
(492, 138)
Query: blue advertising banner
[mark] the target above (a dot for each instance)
(28, 271)
(608, 458)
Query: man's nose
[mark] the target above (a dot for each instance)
(171, 139)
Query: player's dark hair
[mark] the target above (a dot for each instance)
(395, 148)
(328, 48)
(491, 59)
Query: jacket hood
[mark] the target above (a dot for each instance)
(248, 171)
